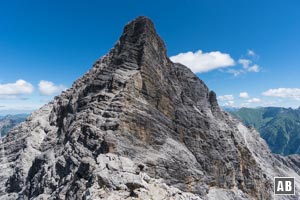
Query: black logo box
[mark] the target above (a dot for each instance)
(283, 181)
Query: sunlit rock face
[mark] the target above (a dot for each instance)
(137, 126)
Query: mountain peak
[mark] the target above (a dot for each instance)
(141, 23)
(134, 122)
(140, 42)
(140, 28)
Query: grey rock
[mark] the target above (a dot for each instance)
(137, 126)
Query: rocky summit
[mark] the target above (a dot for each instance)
(137, 126)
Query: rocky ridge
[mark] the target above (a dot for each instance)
(138, 126)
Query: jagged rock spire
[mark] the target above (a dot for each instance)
(140, 42)
(136, 114)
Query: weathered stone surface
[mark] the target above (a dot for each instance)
(137, 126)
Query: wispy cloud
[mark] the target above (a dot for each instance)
(292, 93)
(254, 68)
(229, 103)
(244, 62)
(247, 64)
(250, 52)
(49, 88)
(203, 62)
(244, 95)
(228, 97)
(227, 100)
(235, 72)
(254, 100)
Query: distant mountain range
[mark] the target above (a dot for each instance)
(9, 121)
(280, 127)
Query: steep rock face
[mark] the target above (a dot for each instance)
(134, 125)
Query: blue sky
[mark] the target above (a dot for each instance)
(238, 46)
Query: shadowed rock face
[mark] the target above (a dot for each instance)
(137, 125)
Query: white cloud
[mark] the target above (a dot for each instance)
(235, 72)
(246, 63)
(247, 67)
(244, 95)
(229, 103)
(292, 93)
(254, 68)
(251, 53)
(227, 97)
(49, 88)
(12, 90)
(254, 100)
(204, 62)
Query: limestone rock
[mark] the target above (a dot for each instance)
(137, 126)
